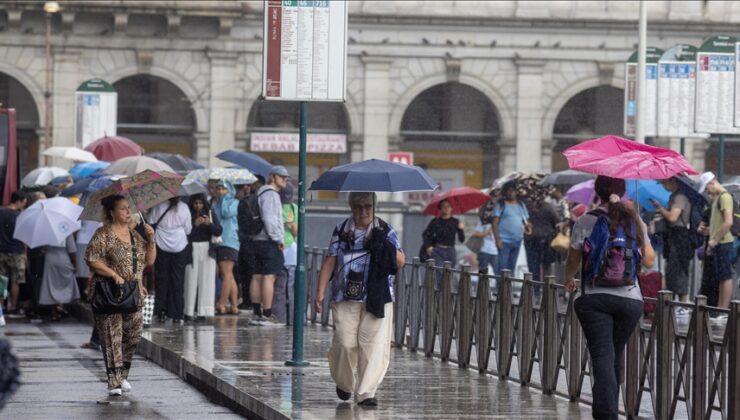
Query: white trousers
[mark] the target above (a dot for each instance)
(361, 348)
(200, 281)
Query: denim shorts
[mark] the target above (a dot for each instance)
(722, 262)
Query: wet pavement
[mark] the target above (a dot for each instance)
(60, 380)
(245, 364)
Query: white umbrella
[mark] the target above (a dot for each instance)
(47, 222)
(72, 153)
(132, 165)
(42, 176)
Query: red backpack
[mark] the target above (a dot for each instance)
(650, 287)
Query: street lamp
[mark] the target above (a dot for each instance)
(50, 7)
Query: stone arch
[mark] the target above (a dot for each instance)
(14, 93)
(33, 87)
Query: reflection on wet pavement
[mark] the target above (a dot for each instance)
(251, 360)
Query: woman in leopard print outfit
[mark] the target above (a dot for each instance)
(110, 254)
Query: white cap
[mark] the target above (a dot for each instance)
(705, 179)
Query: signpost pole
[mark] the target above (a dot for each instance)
(721, 166)
(299, 288)
(683, 146)
(641, 74)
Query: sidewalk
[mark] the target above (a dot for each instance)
(246, 365)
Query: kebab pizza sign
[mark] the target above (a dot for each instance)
(288, 143)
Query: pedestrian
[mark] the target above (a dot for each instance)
(282, 301)
(544, 222)
(245, 265)
(439, 235)
(113, 253)
(360, 349)
(227, 252)
(268, 247)
(510, 223)
(200, 274)
(488, 254)
(678, 248)
(172, 225)
(719, 250)
(12, 252)
(608, 315)
(59, 283)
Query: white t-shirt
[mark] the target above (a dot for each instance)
(174, 228)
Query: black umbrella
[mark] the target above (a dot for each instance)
(177, 162)
(691, 189)
(191, 188)
(567, 177)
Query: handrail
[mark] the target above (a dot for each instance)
(671, 366)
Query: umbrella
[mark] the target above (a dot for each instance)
(82, 170)
(374, 175)
(462, 200)
(179, 163)
(71, 153)
(567, 177)
(528, 186)
(626, 159)
(236, 176)
(78, 187)
(112, 148)
(189, 188)
(648, 190)
(582, 193)
(144, 190)
(98, 184)
(42, 176)
(254, 163)
(132, 165)
(47, 222)
(691, 189)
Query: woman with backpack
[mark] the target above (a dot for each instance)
(608, 244)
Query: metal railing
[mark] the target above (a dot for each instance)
(673, 366)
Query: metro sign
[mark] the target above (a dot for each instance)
(406, 158)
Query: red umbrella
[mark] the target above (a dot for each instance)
(462, 199)
(112, 148)
(626, 159)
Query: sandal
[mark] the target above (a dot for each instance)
(234, 310)
(220, 310)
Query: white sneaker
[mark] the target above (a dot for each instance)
(115, 392)
(256, 321)
(125, 386)
(719, 320)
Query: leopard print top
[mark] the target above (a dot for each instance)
(116, 254)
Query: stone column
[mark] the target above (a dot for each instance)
(377, 108)
(529, 115)
(222, 105)
(202, 148)
(66, 78)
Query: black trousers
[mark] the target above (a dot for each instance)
(169, 271)
(245, 268)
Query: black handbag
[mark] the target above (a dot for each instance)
(111, 298)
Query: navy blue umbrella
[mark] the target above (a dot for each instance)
(78, 187)
(249, 161)
(177, 162)
(374, 175)
(691, 189)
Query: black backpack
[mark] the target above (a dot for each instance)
(696, 215)
(249, 217)
(735, 229)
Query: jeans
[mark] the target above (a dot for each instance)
(508, 255)
(485, 260)
(608, 321)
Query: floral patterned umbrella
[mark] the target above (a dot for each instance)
(143, 190)
(237, 176)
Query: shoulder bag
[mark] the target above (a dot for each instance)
(111, 298)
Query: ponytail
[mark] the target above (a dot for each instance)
(618, 213)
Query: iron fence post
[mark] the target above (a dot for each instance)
(632, 374)
(483, 323)
(430, 309)
(414, 290)
(526, 306)
(399, 306)
(699, 349)
(503, 325)
(550, 346)
(464, 318)
(446, 312)
(733, 382)
(575, 344)
(326, 306)
(663, 356)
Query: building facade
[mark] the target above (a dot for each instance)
(474, 88)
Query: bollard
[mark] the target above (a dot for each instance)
(414, 315)
(575, 347)
(446, 319)
(663, 356)
(526, 308)
(464, 319)
(733, 351)
(699, 348)
(483, 323)
(550, 344)
(503, 325)
(430, 309)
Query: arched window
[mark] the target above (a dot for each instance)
(592, 113)
(453, 131)
(156, 114)
(14, 95)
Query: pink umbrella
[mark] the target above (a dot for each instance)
(626, 159)
(112, 148)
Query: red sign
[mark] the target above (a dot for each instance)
(406, 158)
(274, 21)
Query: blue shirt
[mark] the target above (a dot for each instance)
(512, 218)
(353, 257)
(489, 243)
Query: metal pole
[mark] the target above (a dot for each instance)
(641, 74)
(721, 168)
(43, 160)
(299, 290)
(683, 146)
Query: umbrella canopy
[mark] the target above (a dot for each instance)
(143, 190)
(626, 159)
(567, 177)
(98, 184)
(691, 189)
(72, 153)
(529, 186)
(77, 188)
(42, 176)
(644, 191)
(582, 193)
(237, 176)
(374, 175)
(82, 170)
(254, 163)
(47, 222)
(179, 163)
(112, 148)
(462, 200)
(189, 188)
(133, 165)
